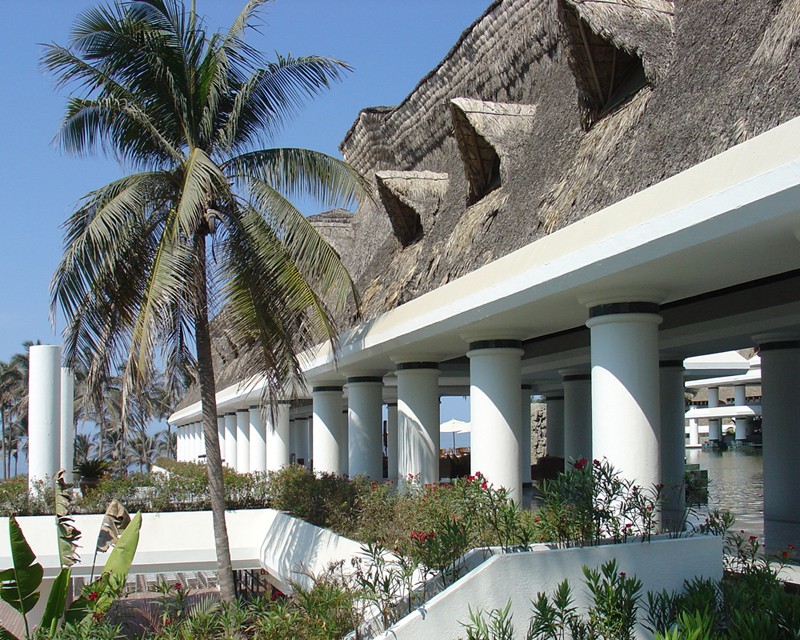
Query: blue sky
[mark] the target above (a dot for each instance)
(390, 44)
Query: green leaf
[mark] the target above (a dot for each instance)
(21, 583)
(54, 610)
(121, 557)
(68, 534)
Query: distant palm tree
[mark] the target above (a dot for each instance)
(142, 449)
(205, 222)
(14, 405)
(84, 444)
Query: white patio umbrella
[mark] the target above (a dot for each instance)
(455, 426)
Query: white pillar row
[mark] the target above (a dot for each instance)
(625, 388)
(221, 435)
(231, 449)
(391, 441)
(555, 424)
(673, 441)
(418, 421)
(67, 457)
(365, 426)
(277, 430)
(780, 388)
(577, 415)
(714, 424)
(694, 433)
(525, 435)
(258, 440)
(327, 425)
(44, 413)
(242, 441)
(740, 400)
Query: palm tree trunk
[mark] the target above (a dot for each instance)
(208, 402)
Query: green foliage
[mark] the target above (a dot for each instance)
(496, 625)
(20, 583)
(323, 499)
(592, 502)
(615, 599)
(554, 620)
(93, 468)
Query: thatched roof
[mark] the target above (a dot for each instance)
(715, 74)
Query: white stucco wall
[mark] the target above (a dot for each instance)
(660, 564)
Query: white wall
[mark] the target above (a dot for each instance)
(660, 564)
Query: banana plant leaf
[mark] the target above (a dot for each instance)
(20, 584)
(68, 535)
(115, 520)
(109, 585)
(54, 609)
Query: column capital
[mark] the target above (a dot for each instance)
(331, 388)
(497, 345)
(365, 379)
(575, 374)
(777, 340)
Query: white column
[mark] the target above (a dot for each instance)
(391, 441)
(714, 424)
(364, 426)
(625, 388)
(327, 425)
(243, 441)
(525, 436)
(221, 434)
(577, 416)
(694, 433)
(673, 441)
(555, 424)
(278, 452)
(258, 440)
(418, 421)
(494, 405)
(780, 389)
(201, 441)
(179, 453)
(44, 413)
(344, 439)
(231, 449)
(67, 458)
(740, 400)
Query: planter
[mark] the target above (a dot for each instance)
(86, 483)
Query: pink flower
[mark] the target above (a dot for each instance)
(753, 539)
(178, 586)
(93, 595)
(580, 464)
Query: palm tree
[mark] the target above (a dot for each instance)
(142, 449)
(204, 222)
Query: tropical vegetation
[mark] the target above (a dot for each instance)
(203, 224)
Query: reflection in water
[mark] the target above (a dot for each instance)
(736, 483)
